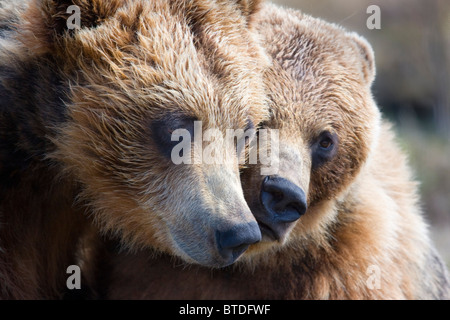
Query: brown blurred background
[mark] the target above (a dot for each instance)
(412, 52)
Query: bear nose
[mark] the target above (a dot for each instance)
(233, 242)
(284, 203)
(284, 199)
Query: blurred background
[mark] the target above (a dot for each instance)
(412, 88)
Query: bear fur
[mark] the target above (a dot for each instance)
(363, 235)
(85, 119)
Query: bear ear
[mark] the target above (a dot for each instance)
(249, 8)
(47, 20)
(367, 56)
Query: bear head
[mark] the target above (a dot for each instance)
(326, 121)
(130, 74)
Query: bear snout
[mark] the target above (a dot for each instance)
(284, 203)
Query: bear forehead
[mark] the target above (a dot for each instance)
(155, 58)
(318, 81)
(307, 47)
(313, 103)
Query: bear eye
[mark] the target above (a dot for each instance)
(326, 143)
(163, 128)
(324, 148)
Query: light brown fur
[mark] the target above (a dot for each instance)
(363, 224)
(76, 114)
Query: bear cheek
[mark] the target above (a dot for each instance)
(334, 176)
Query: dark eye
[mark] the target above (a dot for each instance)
(326, 143)
(162, 130)
(323, 148)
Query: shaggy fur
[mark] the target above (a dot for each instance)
(77, 108)
(363, 235)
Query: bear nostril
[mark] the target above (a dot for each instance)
(277, 196)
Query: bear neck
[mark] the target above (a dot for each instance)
(39, 224)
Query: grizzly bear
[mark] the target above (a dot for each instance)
(90, 92)
(340, 219)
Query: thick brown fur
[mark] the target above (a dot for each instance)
(363, 235)
(77, 108)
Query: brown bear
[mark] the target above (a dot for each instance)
(340, 219)
(90, 94)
